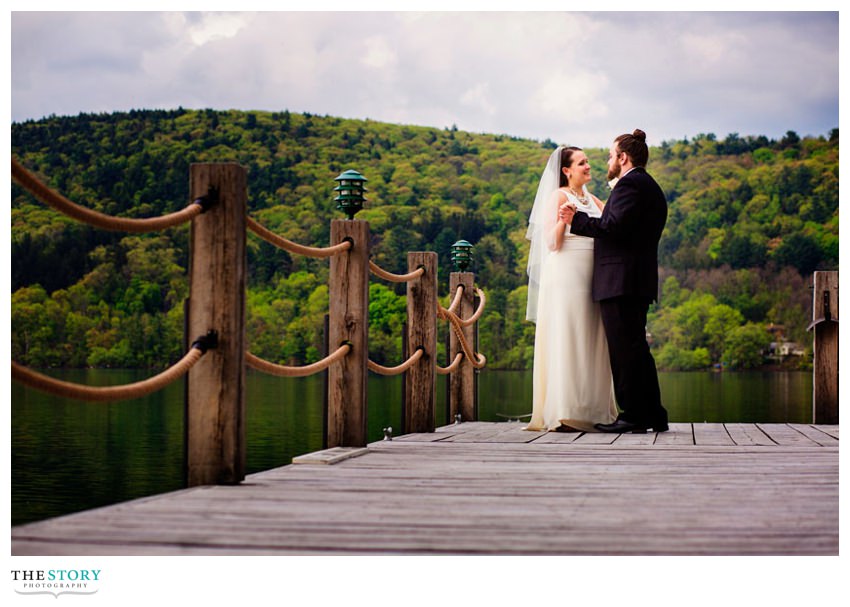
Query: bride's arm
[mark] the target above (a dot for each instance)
(555, 228)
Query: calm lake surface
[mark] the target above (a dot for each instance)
(69, 455)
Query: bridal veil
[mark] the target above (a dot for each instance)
(538, 221)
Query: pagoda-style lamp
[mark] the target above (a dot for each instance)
(461, 255)
(350, 190)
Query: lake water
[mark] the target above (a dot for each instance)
(69, 455)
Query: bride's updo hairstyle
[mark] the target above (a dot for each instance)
(566, 162)
(635, 146)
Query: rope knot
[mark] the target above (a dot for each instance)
(206, 342)
(207, 201)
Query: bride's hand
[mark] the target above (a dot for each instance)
(566, 212)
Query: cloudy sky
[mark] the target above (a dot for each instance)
(575, 77)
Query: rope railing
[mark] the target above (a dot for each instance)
(378, 271)
(217, 297)
(482, 301)
(456, 301)
(287, 371)
(65, 389)
(465, 322)
(477, 360)
(292, 247)
(397, 370)
(452, 367)
(100, 220)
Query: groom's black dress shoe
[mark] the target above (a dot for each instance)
(660, 426)
(621, 426)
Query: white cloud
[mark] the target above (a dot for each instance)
(572, 97)
(214, 26)
(582, 77)
(478, 98)
(379, 54)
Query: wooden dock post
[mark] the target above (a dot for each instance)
(215, 405)
(825, 325)
(348, 287)
(420, 382)
(462, 381)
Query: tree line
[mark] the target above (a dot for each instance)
(750, 219)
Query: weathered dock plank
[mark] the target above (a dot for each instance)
(636, 495)
(748, 434)
(832, 430)
(596, 438)
(820, 435)
(334, 455)
(711, 434)
(542, 438)
(629, 440)
(784, 434)
(679, 434)
(483, 433)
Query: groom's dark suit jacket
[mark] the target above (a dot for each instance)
(625, 254)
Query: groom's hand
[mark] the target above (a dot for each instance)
(566, 212)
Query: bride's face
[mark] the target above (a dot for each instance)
(578, 172)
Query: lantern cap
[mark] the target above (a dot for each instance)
(350, 175)
(462, 244)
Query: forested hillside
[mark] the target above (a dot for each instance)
(750, 219)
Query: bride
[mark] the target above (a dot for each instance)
(572, 385)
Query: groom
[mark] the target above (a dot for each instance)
(625, 280)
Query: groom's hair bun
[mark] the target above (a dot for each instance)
(634, 146)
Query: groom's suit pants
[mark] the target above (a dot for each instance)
(632, 365)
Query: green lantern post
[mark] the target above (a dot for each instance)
(348, 318)
(462, 384)
(351, 187)
(461, 255)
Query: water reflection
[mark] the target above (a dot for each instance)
(69, 455)
(755, 396)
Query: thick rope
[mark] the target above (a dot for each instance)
(476, 360)
(452, 367)
(285, 371)
(106, 393)
(288, 245)
(382, 370)
(478, 312)
(456, 301)
(453, 308)
(378, 271)
(94, 218)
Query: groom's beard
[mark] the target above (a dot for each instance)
(615, 171)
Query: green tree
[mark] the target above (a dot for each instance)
(387, 314)
(721, 322)
(800, 251)
(34, 319)
(745, 346)
(744, 211)
(673, 358)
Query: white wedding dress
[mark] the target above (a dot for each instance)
(572, 382)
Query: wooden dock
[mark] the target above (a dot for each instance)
(492, 488)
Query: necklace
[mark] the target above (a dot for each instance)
(581, 197)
